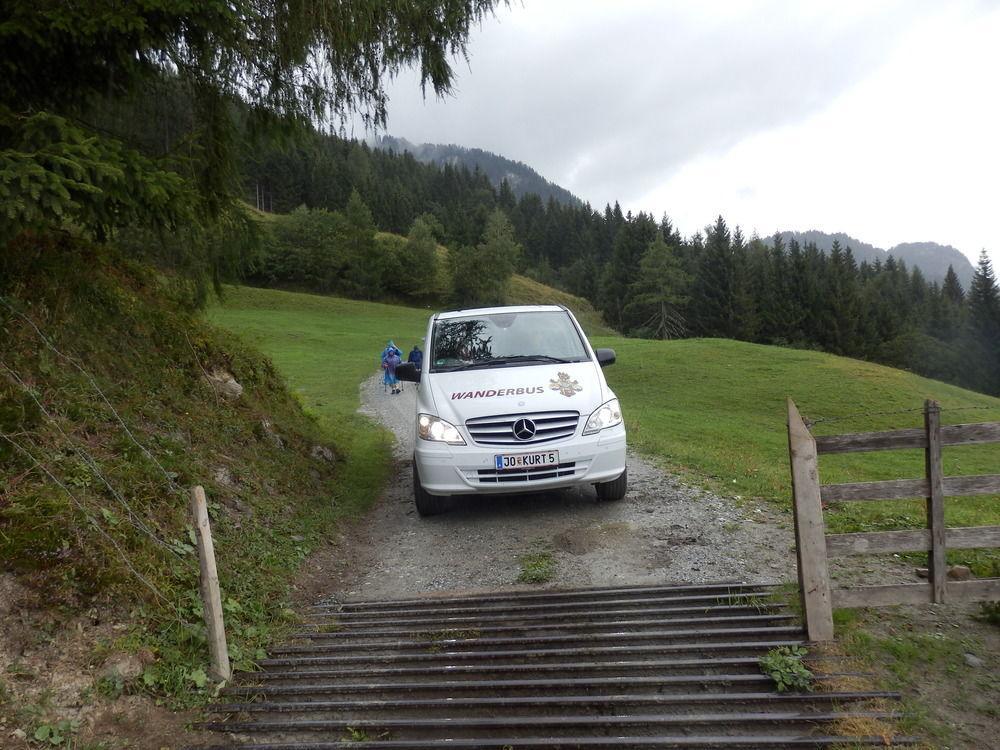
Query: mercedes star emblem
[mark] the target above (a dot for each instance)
(524, 429)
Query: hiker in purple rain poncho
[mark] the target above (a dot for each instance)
(390, 361)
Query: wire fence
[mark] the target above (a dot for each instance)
(22, 443)
(97, 389)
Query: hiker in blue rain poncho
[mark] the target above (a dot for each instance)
(391, 357)
(416, 357)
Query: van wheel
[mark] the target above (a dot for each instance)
(427, 504)
(613, 490)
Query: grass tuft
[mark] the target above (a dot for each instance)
(537, 567)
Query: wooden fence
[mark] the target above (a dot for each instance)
(815, 547)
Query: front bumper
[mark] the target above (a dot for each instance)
(470, 469)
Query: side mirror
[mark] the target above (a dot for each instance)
(605, 357)
(408, 371)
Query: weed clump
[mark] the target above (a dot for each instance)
(784, 666)
(537, 567)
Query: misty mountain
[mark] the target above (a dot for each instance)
(931, 258)
(521, 178)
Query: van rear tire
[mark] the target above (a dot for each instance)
(427, 504)
(613, 490)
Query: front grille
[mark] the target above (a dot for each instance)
(493, 476)
(499, 430)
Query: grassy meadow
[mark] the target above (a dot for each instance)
(325, 347)
(710, 410)
(714, 411)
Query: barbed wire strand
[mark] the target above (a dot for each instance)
(93, 521)
(134, 518)
(215, 391)
(48, 343)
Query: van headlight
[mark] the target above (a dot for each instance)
(438, 431)
(606, 415)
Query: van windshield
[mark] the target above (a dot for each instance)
(505, 339)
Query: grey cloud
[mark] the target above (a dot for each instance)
(609, 102)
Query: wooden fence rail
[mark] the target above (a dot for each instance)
(815, 547)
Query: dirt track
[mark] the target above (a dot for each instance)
(663, 531)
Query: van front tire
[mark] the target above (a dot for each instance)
(427, 504)
(613, 490)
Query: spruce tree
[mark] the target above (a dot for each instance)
(984, 322)
(363, 274)
(952, 287)
(840, 303)
(719, 300)
(631, 242)
(498, 255)
(658, 296)
(481, 274)
(419, 262)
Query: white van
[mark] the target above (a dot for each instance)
(512, 400)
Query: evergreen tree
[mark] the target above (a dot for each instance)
(841, 302)
(658, 295)
(984, 322)
(481, 274)
(719, 299)
(952, 287)
(629, 245)
(498, 256)
(364, 271)
(984, 302)
(419, 261)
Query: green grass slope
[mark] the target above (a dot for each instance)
(326, 346)
(714, 410)
(525, 291)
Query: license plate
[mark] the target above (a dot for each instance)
(526, 460)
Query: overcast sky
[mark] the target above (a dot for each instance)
(879, 119)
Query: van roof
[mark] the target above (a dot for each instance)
(471, 312)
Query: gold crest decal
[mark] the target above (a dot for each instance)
(564, 385)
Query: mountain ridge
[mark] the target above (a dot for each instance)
(932, 258)
(523, 180)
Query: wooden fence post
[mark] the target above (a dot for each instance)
(937, 566)
(810, 533)
(210, 596)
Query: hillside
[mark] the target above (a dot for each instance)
(930, 257)
(115, 398)
(523, 180)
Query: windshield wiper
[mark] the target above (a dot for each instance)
(537, 358)
(515, 359)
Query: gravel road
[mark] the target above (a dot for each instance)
(662, 532)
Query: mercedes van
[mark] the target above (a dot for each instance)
(513, 400)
